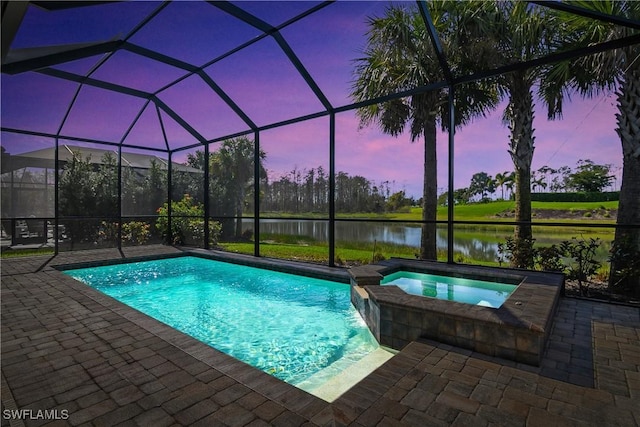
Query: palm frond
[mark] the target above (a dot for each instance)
(400, 56)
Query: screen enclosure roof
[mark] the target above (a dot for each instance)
(170, 76)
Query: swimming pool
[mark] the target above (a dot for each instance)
(468, 291)
(299, 329)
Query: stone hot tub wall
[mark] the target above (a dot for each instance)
(517, 330)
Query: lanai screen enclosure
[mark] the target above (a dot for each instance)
(112, 110)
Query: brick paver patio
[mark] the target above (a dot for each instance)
(68, 348)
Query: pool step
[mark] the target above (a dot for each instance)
(345, 379)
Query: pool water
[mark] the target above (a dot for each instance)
(290, 326)
(468, 291)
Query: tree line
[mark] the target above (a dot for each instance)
(307, 191)
(586, 177)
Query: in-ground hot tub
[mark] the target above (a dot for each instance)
(517, 329)
(484, 292)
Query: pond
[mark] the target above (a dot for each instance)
(477, 244)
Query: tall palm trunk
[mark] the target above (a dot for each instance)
(429, 193)
(521, 143)
(628, 121)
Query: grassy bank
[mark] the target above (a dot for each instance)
(572, 214)
(492, 211)
(304, 248)
(498, 211)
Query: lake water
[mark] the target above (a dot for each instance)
(477, 245)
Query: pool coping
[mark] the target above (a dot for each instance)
(517, 330)
(336, 274)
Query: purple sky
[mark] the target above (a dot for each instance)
(265, 85)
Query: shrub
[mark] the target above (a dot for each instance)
(461, 259)
(187, 222)
(576, 197)
(520, 253)
(108, 231)
(549, 258)
(576, 258)
(378, 256)
(625, 256)
(584, 264)
(135, 232)
(247, 235)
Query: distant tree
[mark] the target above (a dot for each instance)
(397, 200)
(309, 180)
(87, 191)
(590, 177)
(106, 186)
(544, 173)
(443, 199)
(232, 178)
(559, 180)
(482, 184)
(510, 182)
(462, 196)
(189, 183)
(77, 197)
(321, 190)
(537, 181)
(501, 180)
(155, 188)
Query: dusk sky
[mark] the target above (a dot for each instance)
(265, 85)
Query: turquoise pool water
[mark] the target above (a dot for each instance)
(299, 329)
(477, 292)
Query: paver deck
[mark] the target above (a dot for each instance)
(69, 348)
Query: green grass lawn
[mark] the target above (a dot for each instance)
(486, 212)
(489, 211)
(12, 253)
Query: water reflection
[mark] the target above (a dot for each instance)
(478, 245)
(395, 233)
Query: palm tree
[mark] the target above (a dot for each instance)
(537, 182)
(545, 171)
(501, 180)
(399, 55)
(519, 33)
(619, 70)
(510, 181)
